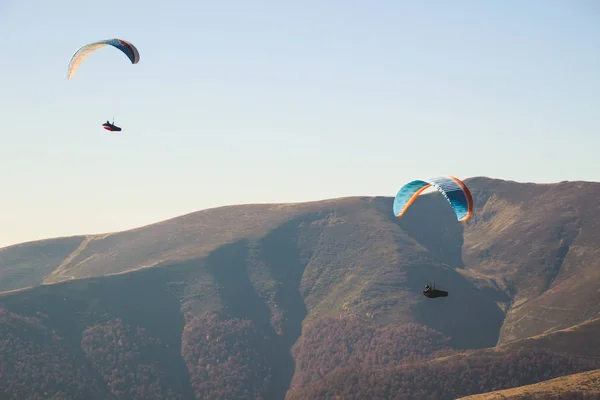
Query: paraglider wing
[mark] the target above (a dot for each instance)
(81, 54)
(452, 188)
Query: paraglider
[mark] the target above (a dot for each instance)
(456, 193)
(83, 52)
(433, 293)
(452, 188)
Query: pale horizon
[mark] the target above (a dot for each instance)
(233, 103)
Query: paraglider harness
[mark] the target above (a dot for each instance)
(111, 127)
(432, 293)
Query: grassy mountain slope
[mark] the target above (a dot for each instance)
(585, 385)
(28, 264)
(541, 245)
(581, 339)
(186, 237)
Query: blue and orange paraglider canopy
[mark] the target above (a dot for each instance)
(452, 188)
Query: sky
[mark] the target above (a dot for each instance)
(237, 102)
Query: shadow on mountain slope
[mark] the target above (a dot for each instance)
(431, 222)
(229, 266)
(232, 266)
(471, 318)
(469, 315)
(281, 253)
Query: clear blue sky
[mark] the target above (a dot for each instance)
(277, 101)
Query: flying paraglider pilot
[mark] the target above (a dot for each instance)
(111, 127)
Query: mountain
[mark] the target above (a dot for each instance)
(585, 385)
(254, 301)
